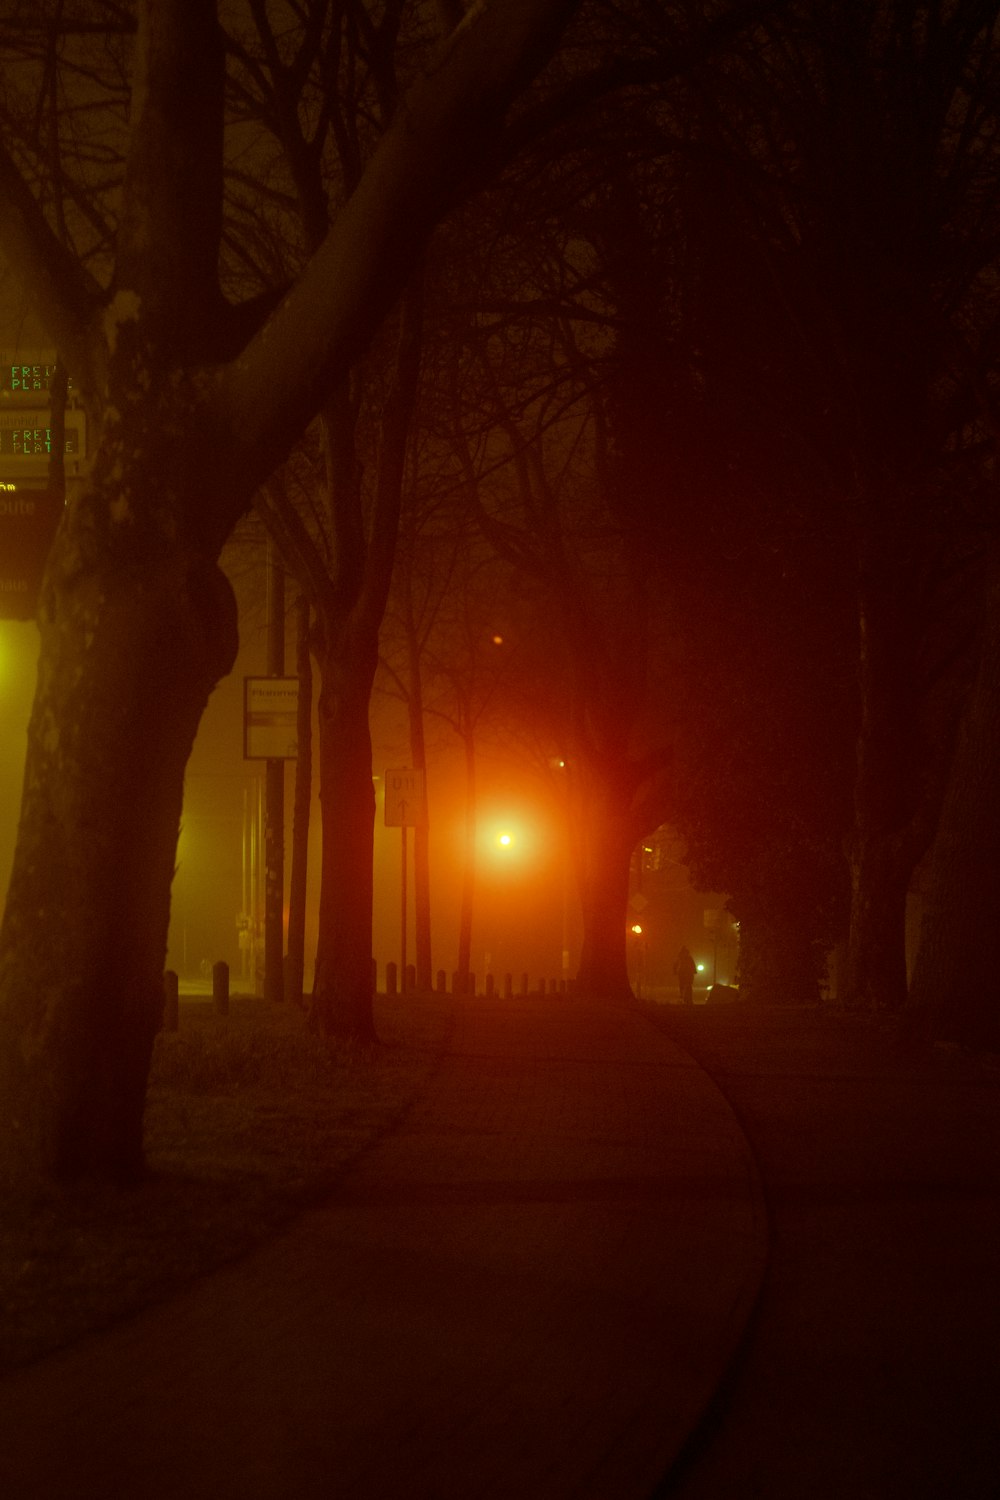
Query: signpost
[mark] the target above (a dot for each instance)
(270, 718)
(405, 807)
(29, 515)
(270, 733)
(404, 798)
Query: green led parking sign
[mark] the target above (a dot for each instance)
(20, 379)
(26, 375)
(33, 440)
(26, 441)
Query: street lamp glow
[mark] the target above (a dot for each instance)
(505, 840)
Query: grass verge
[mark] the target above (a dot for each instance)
(249, 1120)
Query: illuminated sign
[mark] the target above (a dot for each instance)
(25, 380)
(26, 439)
(28, 521)
(27, 373)
(23, 441)
(270, 718)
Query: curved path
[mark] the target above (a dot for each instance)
(530, 1289)
(872, 1366)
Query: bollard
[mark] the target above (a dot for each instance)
(489, 986)
(390, 979)
(508, 986)
(441, 982)
(171, 1010)
(220, 987)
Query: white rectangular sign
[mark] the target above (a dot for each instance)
(270, 718)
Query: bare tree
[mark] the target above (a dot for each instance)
(848, 208)
(430, 544)
(191, 403)
(951, 996)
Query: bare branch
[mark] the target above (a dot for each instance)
(437, 136)
(62, 293)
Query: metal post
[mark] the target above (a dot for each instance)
(256, 827)
(274, 801)
(170, 1006)
(402, 927)
(220, 987)
(244, 921)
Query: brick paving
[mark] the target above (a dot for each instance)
(528, 1290)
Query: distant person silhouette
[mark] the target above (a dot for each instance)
(685, 968)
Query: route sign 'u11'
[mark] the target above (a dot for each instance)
(405, 806)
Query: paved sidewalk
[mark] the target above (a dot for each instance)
(528, 1290)
(873, 1368)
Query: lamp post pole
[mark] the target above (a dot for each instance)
(274, 799)
(402, 915)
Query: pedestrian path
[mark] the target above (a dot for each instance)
(529, 1289)
(873, 1370)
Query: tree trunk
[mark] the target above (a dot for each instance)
(421, 833)
(469, 866)
(952, 992)
(342, 989)
(302, 803)
(274, 800)
(422, 904)
(876, 946)
(605, 857)
(127, 662)
(889, 786)
(779, 960)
